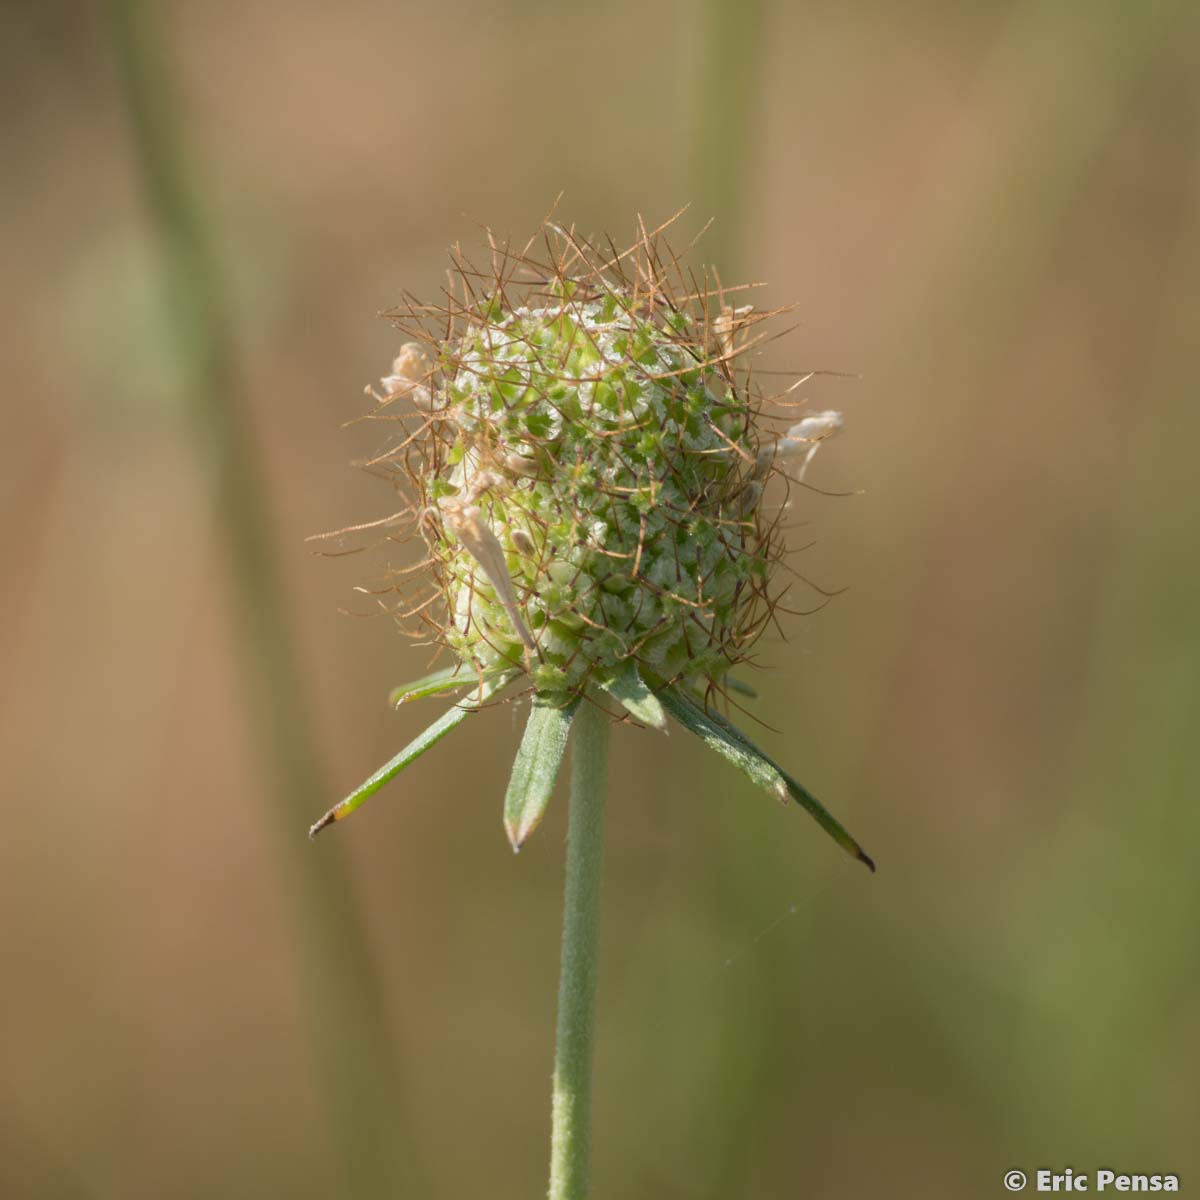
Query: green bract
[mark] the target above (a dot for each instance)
(587, 472)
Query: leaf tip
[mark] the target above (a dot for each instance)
(864, 857)
(656, 720)
(518, 834)
(328, 819)
(515, 832)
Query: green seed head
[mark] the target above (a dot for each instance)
(589, 468)
(586, 463)
(593, 499)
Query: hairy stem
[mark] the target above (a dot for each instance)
(570, 1139)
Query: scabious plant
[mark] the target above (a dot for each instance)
(600, 492)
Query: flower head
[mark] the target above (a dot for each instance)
(587, 464)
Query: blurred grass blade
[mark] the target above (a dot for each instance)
(535, 768)
(627, 686)
(358, 1067)
(727, 121)
(727, 740)
(439, 681)
(438, 730)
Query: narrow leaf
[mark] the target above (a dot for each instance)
(627, 686)
(438, 730)
(731, 743)
(744, 689)
(447, 680)
(536, 767)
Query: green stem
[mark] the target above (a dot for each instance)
(570, 1139)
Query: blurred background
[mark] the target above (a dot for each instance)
(988, 213)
